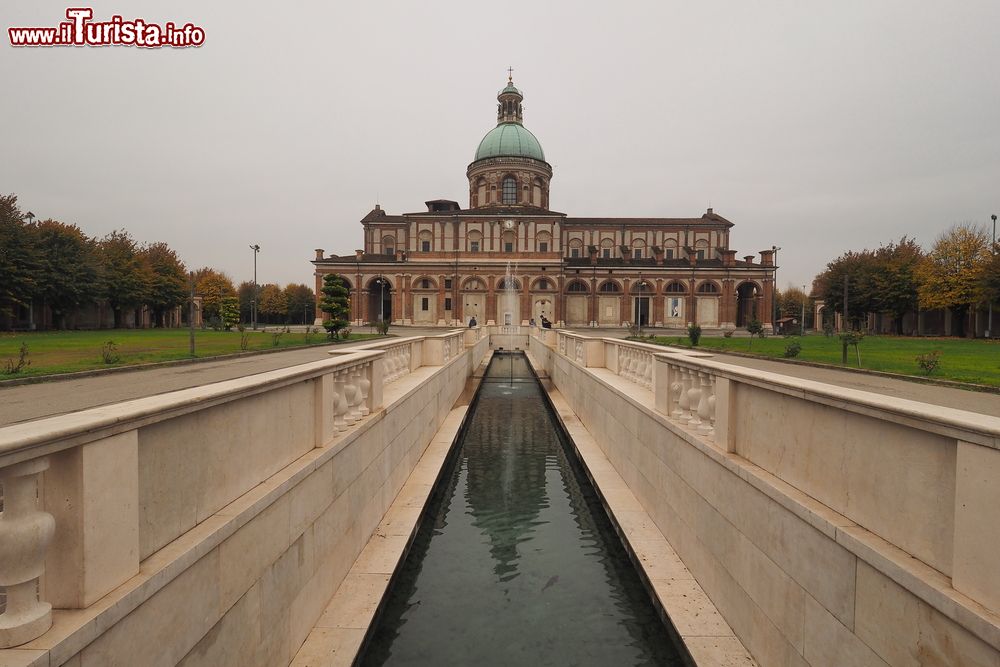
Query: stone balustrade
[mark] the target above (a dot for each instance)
(632, 361)
(122, 481)
(892, 502)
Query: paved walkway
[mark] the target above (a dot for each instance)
(24, 402)
(962, 399)
(32, 401)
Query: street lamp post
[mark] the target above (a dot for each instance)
(253, 301)
(802, 327)
(774, 289)
(993, 252)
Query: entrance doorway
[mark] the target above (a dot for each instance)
(640, 311)
(379, 300)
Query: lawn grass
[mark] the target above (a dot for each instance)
(68, 351)
(962, 360)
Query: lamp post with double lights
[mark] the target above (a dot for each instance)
(774, 289)
(253, 301)
(993, 252)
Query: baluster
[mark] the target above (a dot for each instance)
(684, 402)
(397, 362)
(351, 389)
(647, 378)
(676, 390)
(640, 368)
(711, 413)
(364, 385)
(694, 398)
(340, 401)
(703, 403)
(25, 533)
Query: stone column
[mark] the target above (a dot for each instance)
(526, 305)
(440, 301)
(489, 316)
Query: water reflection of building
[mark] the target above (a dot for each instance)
(447, 264)
(506, 467)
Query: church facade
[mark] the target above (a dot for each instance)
(508, 258)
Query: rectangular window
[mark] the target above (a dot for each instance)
(670, 254)
(543, 247)
(574, 252)
(508, 246)
(447, 285)
(474, 246)
(701, 254)
(606, 253)
(637, 254)
(425, 284)
(425, 303)
(389, 250)
(425, 246)
(447, 303)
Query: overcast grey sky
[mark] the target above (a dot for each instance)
(817, 127)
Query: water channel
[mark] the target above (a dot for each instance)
(515, 561)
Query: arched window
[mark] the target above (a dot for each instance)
(577, 286)
(708, 288)
(543, 242)
(388, 245)
(576, 248)
(675, 288)
(475, 241)
(609, 287)
(641, 287)
(606, 246)
(509, 193)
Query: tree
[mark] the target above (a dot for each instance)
(125, 278)
(301, 303)
(790, 301)
(953, 274)
(860, 269)
(168, 279)
(336, 303)
(895, 279)
(273, 305)
(245, 292)
(68, 268)
(230, 312)
(991, 278)
(18, 257)
(212, 286)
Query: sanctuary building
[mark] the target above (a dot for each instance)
(509, 258)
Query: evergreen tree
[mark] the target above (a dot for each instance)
(230, 312)
(336, 303)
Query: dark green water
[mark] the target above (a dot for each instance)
(516, 562)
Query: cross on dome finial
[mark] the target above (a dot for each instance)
(510, 75)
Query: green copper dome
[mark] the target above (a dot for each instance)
(510, 89)
(509, 140)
